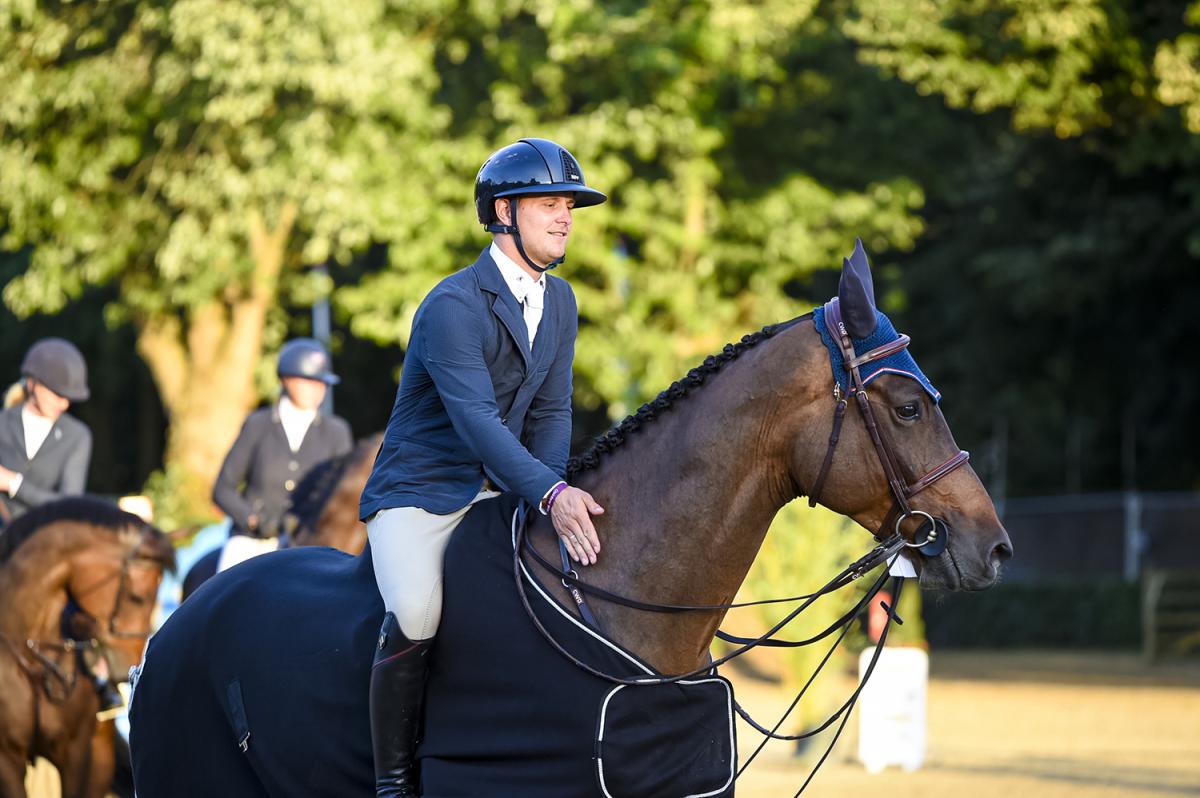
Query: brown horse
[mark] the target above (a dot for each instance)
(690, 483)
(78, 580)
(325, 503)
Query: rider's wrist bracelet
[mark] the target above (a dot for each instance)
(557, 489)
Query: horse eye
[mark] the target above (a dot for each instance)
(908, 411)
(134, 598)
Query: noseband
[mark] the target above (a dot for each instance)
(938, 532)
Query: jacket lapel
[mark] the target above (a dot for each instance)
(52, 439)
(12, 418)
(504, 304)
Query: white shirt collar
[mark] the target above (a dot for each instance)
(295, 421)
(517, 279)
(36, 428)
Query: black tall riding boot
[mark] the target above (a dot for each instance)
(397, 694)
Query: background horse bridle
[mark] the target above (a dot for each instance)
(55, 680)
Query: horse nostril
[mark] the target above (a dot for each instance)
(1003, 551)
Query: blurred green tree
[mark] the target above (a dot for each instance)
(653, 99)
(198, 154)
(1055, 282)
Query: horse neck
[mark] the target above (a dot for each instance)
(34, 580)
(338, 525)
(690, 496)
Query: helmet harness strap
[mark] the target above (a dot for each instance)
(515, 232)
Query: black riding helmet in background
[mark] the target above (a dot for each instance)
(529, 167)
(57, 364)
(306, 357)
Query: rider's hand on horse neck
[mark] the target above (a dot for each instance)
(571, 514)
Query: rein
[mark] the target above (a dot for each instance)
(882, 552)
(888, 552)
(936, 535)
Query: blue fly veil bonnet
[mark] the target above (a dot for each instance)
(853, 311)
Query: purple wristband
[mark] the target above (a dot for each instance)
(557, 489)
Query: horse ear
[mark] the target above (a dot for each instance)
(856, 294)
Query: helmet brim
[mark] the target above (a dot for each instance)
(328, 377)
(584, 197)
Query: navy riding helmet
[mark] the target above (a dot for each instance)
(528, 167)
(306, 357)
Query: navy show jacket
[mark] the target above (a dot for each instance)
(474, 401)
(260, 470)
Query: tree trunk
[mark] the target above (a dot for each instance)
(204, 367)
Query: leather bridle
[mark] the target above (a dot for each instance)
(889, 535)
(937, 532)
(123, 593)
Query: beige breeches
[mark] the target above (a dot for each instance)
(408, 545)
(240, 548)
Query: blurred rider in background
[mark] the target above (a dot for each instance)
(44, 451)
(276, 447)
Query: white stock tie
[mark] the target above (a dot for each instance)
(532, 305)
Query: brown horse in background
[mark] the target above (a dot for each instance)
(325, 503)
(78, 581)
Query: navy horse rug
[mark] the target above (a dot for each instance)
(283, 643)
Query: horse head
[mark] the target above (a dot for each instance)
(897, 467)
(112, 586)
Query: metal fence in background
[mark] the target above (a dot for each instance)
(1101, 535)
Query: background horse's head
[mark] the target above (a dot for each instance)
(904, 407)
(106, 566)
(115, 584)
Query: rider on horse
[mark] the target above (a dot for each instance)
(276, 447)
(44, 451)
(484, 405)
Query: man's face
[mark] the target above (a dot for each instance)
(545, 224)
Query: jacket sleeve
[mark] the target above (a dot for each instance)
(71, 481)
(453, 348)
(548, 423)
(227, 490)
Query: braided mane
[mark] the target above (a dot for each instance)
(712, 364)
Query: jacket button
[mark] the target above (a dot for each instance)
(290, 484)
(293, 466)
